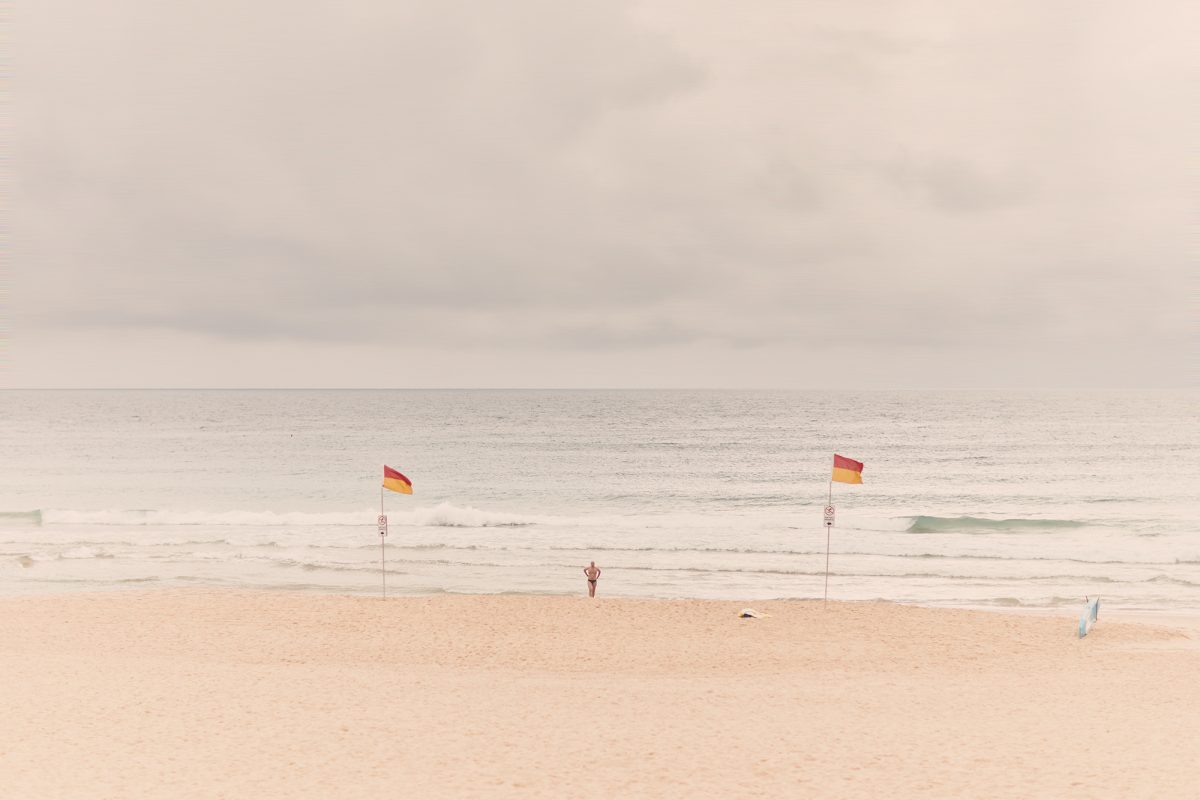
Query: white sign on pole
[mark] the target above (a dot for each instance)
(383, 524)
(829, 516)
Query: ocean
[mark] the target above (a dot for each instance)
(970, 499)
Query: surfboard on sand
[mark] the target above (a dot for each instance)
(1091, 612)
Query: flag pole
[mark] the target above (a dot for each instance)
(828, 530)
(382, 551)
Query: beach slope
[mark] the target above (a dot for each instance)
(212, 693)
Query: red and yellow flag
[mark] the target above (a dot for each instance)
(395, 481)
(846, 470)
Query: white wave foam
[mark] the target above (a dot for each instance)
(450, 516)
(441, 515)
(84, 552)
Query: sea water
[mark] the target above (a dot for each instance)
(976, 499)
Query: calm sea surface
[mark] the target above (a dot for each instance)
(970, 498)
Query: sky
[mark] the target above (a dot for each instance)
(601, 193)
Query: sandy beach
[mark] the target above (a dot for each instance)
(235, 694)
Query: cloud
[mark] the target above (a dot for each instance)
(602, 177)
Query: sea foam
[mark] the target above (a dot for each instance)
(441, 515)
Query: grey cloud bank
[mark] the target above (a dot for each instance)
(602, 194)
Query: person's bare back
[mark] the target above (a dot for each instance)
(593, 574)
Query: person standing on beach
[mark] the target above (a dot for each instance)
(593, 574)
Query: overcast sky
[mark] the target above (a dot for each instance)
(579, 193)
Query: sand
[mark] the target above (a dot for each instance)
(232, 694)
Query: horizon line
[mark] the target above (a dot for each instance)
(594, 389)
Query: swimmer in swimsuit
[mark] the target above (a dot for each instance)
(592, 573)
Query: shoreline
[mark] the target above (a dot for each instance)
(1182, 619)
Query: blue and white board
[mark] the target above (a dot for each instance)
(1091, 612)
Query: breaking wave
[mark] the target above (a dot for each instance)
(441, 515)
(21, 517)
(924, 524)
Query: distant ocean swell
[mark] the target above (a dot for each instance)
(442, 515)
(451, 516)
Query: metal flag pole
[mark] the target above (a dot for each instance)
(828, 531)
(382, 541)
